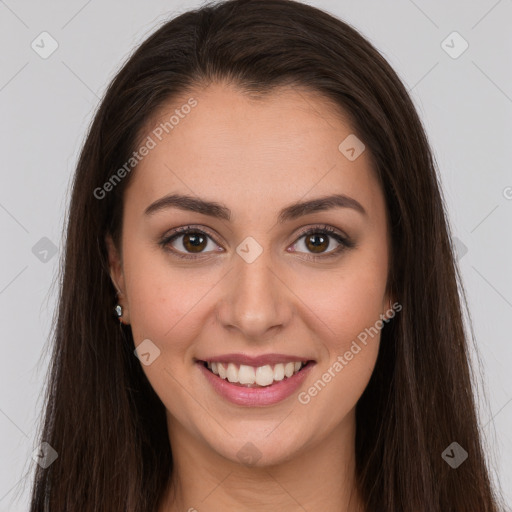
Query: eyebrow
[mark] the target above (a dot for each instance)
(220, 211)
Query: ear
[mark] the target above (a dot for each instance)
(117, 275)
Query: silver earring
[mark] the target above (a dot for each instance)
(118, 310)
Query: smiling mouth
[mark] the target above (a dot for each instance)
(255, 377)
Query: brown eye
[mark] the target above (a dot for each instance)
(317, 243)
(321, 243)
(194, 242)
(187, 242)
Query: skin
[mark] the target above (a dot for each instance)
(255, 156)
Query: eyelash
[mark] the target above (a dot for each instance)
(345, 243)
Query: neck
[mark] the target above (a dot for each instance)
(321, 477)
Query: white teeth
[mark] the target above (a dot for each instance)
(221, 370)
(264, 375)
(248, 375)
(232, 373)
(279, 371)
(289, 369)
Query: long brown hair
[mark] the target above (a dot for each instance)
(102, 416)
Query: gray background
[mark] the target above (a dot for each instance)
(47, 104)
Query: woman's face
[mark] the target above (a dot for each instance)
(251, 289)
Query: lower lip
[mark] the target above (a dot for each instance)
(253, 397)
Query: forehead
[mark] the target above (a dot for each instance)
(254, 152)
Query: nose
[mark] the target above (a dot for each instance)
(255, 300)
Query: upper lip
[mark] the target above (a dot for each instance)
(261, 360)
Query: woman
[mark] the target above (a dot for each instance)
(258, 202)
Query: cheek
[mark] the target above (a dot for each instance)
(351, 344)
(349, 300)
(156, 298)
(166, 308)
(168, 303)
(347, 309)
